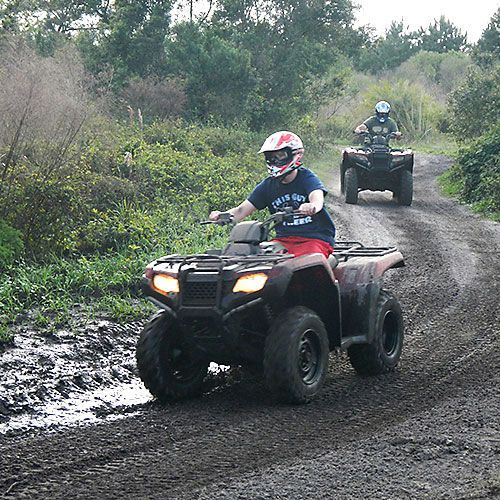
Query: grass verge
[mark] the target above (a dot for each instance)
(48, 295)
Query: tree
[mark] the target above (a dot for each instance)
(219, 76)
(131, 42)
(438, 72)
(291, 43)
(487, 50)
(388, 52)
(441, 36)
(50, 23)
(155, 98)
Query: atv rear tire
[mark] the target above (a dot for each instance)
(405, 193)
(296, 355)
(351, 186)
(165, 365)
(383, 352)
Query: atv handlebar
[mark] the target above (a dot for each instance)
(390, 135)
(225, 218)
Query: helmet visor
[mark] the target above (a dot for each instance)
(278, 158)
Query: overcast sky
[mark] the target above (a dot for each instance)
(471, 16)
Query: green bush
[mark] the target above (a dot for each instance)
(474, 104)
(480, 164)
(475, 178)
(120, 184)
(11, 244)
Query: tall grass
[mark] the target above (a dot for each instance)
(104, 284)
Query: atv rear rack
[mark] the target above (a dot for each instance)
(346, 249)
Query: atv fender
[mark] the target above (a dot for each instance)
(309, 281)
(361, 279)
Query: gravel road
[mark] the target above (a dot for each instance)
(430, 430)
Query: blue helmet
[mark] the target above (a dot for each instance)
(382, 109)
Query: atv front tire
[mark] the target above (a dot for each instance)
(351, 186)
(296, 355)
(405, 193)
(165, 364)
(383, 352)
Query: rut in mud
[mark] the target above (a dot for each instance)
(429, 430)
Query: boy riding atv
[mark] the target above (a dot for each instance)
(290, 185)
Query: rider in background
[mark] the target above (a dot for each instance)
(380, 123)
(290, 185)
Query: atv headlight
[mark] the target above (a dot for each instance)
(165, 284)
(250, 283)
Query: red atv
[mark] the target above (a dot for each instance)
(377, 167)
(255, 305)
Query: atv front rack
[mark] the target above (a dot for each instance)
(346, 249)
(218, 262)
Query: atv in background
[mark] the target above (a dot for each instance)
(377, 167)
(252, 304)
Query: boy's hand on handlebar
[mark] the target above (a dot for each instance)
(307, 209)
(214, 215)
(218, 217)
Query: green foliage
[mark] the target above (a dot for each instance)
(475, 178)
(487, 50)
(440, 71)
(118, 189)
(474, 104)
(11, 245)
(398, 45)
(480, 164)
(219, 77)
(416, 112)
(441, 36)
(129, 39)
(390, 51)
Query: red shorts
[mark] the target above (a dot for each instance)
(299, 245)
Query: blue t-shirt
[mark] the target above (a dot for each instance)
(274, 195)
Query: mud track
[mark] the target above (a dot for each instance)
(429, 430)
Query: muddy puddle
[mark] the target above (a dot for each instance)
(110, 403)
(75, 377)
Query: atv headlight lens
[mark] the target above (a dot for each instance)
(250, 283)
(165, 284)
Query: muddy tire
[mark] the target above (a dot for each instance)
(165, 366)
(383, 353)
(405, 193)
(296, 355)
(351, 186)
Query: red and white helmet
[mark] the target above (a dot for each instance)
(285, 141)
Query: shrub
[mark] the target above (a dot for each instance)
(480, 164)
(474, 104)
(156, 98)
(11, 244)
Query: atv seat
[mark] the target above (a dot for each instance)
(244, 239)
(241, 249)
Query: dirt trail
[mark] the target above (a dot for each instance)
(429, 430)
